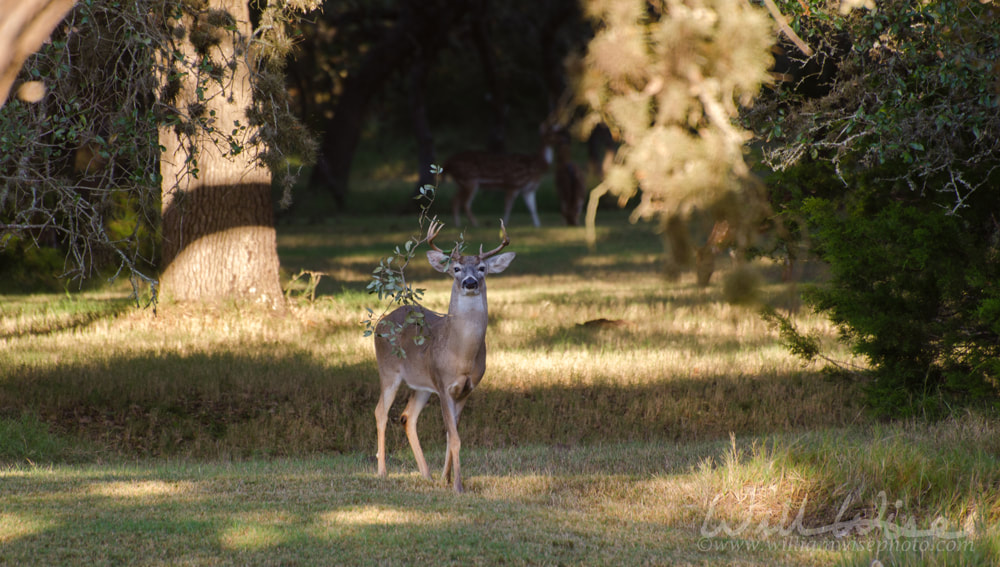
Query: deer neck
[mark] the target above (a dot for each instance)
(467, 317)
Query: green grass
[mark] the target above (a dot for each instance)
(229, 436)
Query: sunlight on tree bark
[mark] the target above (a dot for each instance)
(218, 230)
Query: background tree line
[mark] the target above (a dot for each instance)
(876, 139)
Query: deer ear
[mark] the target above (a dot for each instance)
(438, 260)
(499, 263)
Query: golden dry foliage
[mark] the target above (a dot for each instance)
(667, 78)
(24, 27)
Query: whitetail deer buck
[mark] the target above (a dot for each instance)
(514, 174)
(451, 359)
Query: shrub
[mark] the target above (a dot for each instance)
(888, 156)
(914, 291)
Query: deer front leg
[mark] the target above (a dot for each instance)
(449, 413)
(409, 418)
(381, 419)
(446, 473)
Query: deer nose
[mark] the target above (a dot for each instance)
(470, 284)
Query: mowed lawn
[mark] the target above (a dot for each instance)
(623, 419)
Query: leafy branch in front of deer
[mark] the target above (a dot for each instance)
(389, 278)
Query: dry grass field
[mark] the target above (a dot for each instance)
(622, 418)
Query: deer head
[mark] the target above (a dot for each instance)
(470, 271)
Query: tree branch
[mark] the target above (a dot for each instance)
(786, 29)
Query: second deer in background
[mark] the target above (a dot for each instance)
(514, 174)
(570, 187)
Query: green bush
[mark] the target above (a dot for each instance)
(25, 266)
(887, 163)
(914, 291)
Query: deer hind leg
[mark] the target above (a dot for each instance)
(382, 419)
(418, 399)
(528, 193)
(463, 202)
(508, 205)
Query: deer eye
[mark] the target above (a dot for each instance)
(482, 268)
(457, 269)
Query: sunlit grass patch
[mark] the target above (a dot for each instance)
(365, 515)
(140, 490)
(18, 526)
(255, 537)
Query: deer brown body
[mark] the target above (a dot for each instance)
(451, 359)
(513, 174)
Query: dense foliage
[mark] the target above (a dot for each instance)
(86, 153)
(888, 157)
(667, 79)
(79, 170)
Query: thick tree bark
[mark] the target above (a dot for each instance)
(219, 242)
(218, 229)
(421, 126)
(480, 28)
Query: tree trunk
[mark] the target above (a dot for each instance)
(422, 27)
(218, 227)
(481, 39)
(421, 126)
(333, 166)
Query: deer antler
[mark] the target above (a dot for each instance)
(432, 232)
(505, 240)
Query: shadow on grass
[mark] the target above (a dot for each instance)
(675, 410)
(271, 515)
(204, 404)
(69, 314)
(279, 403)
